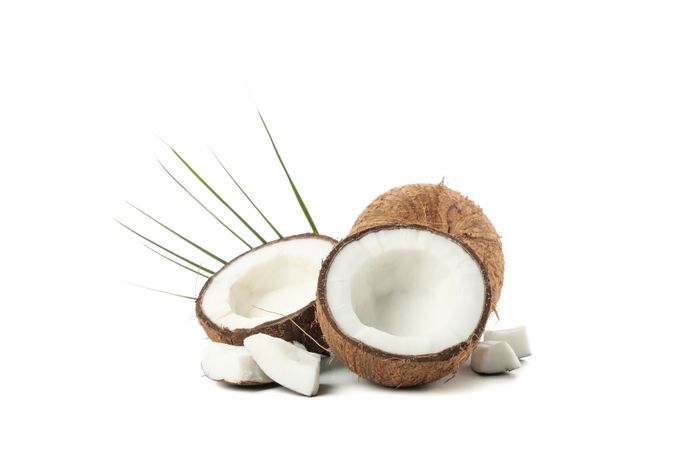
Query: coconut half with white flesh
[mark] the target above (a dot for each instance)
(270, 289)
(402, 305)
(232, 364)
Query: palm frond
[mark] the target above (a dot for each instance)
(175, 262)
(290, 180)
(204, 206)
(227, 205)
(245, 194)
(209, 271)
(197, 246)
(163, 292)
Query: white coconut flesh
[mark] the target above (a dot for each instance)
(273, 280)
(515, 337)
(289, 365)
(492, 357)
(406, 291)
(232, 364)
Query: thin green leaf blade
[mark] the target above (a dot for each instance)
(175, 262)
(166, 249)
(163, 292)
(227, 205)
(197, 246)
(204, 206)
(245, 194)
(288, 176)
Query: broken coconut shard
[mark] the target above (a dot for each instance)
(402, 305)
(231, 364)
(492, 357)
(515, 337)
(444, 210)
(286, 363)
(269, 289)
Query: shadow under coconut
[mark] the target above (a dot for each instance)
(464, 380)
(244, 387)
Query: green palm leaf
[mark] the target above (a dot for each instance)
(166, 249)
(290, 180)
(227, 205)
(245, 195)
(197, 246)
(204, 206)
(175, 262)
(163, 292)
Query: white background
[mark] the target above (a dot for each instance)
(556, 117)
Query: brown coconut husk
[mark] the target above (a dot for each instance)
(445, 210)
(385, 368)
(301, 326)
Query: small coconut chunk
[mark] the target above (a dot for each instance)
(515, 337)
(492, 357)
(287, 364)
(232, 364)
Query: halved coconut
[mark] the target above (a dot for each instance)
(270, 289)
(402, 305)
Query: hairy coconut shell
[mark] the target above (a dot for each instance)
(385, 368)
(445, 210)
(289, 328)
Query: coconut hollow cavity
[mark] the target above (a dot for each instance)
(269, 289)
(402, 305)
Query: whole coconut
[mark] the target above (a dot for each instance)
(445, 210)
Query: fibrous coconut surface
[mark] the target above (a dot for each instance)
(445, 210)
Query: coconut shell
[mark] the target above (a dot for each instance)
(385, 368)
(445, 210)
(287, 327)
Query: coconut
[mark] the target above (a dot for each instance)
(287, 363)
(493, 357)
(232, 364)
(515, 337)
(402, 305)
(445, 210)
(269, 289)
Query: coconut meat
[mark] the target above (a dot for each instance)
(288, 364)
(492, 357)
(515, 337)
(406, 291)
(232, 364)
(264, 284)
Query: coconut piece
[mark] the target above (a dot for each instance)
(515, 337)
(402, 305)
(447, 211)
(231, 364)
(491, 357)
(286, 363)
(269, 289)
